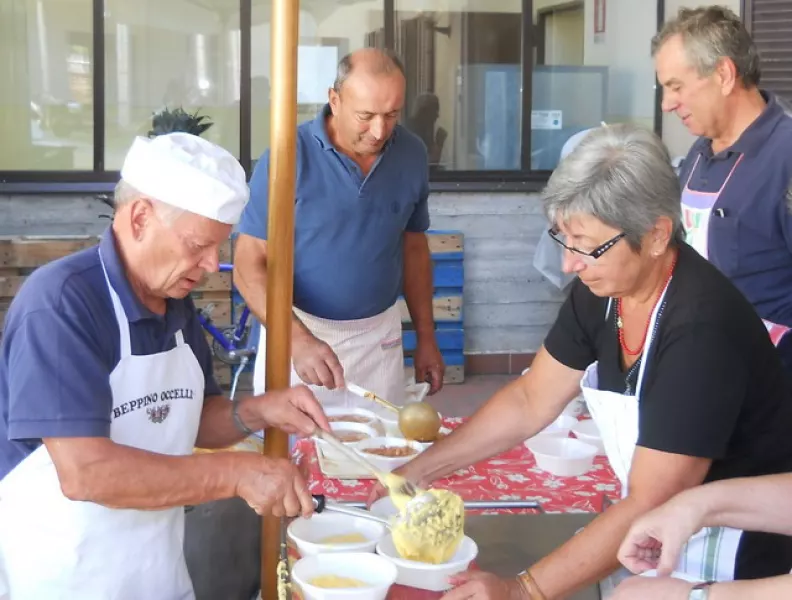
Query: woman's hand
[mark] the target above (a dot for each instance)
(478, 585)
(656, 539)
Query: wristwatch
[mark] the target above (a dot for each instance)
(700, 591)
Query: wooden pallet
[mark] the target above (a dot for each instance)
(448, 274)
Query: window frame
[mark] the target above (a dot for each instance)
(100, 181)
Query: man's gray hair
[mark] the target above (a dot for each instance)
(710, 34)
(125, 193)
(622, 175)
(389, 63)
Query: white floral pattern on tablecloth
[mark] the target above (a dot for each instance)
(512, 475)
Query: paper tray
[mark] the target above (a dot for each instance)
(338, 467)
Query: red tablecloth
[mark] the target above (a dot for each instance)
(512, 475)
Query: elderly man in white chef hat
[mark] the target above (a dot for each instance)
(106, 387)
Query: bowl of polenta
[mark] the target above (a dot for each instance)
(347, 575)
(334, 532)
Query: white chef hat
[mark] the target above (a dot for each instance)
(188, 172)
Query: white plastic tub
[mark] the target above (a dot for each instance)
(363, 416)
(340, 428)
(376, 571)
(562, 457)
(387, 463)
(587, 431)
(309, 534)
(425, 576)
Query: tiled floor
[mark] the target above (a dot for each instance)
(461, 400)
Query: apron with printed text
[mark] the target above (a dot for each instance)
(696, 214)
(370, 351)
(54, 548)
(711, 553)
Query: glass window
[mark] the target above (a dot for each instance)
(328, 30)
(593, 65)
(168, 55)
(46, 85)
(463, 60)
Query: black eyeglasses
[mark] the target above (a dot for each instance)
(588, 257)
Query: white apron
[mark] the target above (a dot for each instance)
(370, 350)
(696, 214)
(710, 554)
(53, 548)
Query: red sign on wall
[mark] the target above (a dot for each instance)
(599, 16)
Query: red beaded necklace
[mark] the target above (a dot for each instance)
(620, 322)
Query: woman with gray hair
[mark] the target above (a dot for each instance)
(675, 366)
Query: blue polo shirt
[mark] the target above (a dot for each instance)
(348, 228)
(61, 342)
(750, 228)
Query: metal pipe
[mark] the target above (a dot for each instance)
(280, 250)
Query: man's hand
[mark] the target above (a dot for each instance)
(656, 539)
(273, 486)
(294, 410)
(315, 362)
(652, 588)
(429, 365)
(477, 585)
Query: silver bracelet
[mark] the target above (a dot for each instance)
(237, 420)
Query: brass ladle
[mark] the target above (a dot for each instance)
(417, 420)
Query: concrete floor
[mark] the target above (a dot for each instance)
(462, 399)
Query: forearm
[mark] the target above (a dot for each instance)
(218, 429)
(589, 556)
(757, 589)
(749, 504)
(118, 476)
(504, 421)
(418, 284)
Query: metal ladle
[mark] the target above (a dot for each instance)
(419, 418)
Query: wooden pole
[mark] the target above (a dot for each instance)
(280, 250)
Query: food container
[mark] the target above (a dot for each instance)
(387, 463)
(310, 534)
(427, 576)
(565, 457)
(587, 431)
(559, 428)
(376, 571)
(342, 430)
(362, 416)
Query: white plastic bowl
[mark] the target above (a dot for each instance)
(562, 457)
(559, 428)
(308, 534)
(340, 428)
(575, 408)
(384, 508)
(387, 463)
(377, 571)
(426, 576)
(365, 416)
(587, 431)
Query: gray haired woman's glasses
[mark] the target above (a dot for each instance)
(588, 257)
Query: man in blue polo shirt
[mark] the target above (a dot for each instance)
(106, 387)
(736, 176)
(360, 219)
